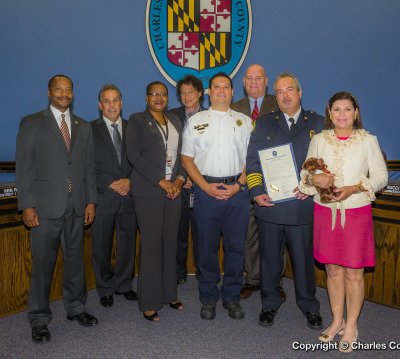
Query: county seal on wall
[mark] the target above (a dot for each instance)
(198, 37)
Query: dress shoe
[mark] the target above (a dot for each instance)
(326, 338)
(40, 334)
(314, 320)
(208, 311)
(84, 319)
(282, 294)
(247, 290)
(181, 280)
(107, 301)
(345, 346)
(235, 311)
(130, 295)
(266, 319)
(152, 317)
(176, 305)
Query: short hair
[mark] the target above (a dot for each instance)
(191, 80)
(151, 84)
(290, 75)
(50, 83)
(343, 95)
(220, 74)
(108, 87)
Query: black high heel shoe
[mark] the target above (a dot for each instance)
(152, 317)
(176, 305)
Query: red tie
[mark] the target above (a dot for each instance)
(65, 132)
(255, 112)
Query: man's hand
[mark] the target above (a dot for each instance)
(30, 217)
(89, 214)
(121, 186)
(323, 180)
(299, 195)
(263, 200)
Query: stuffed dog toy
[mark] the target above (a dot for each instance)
(315, 166)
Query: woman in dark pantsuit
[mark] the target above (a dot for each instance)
(153, 146)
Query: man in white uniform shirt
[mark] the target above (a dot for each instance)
(214, 155)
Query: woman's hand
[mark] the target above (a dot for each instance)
(168, 187)
(344, 192)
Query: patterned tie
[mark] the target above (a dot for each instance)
(255, 112)
(292, 125)
(117, 140)
(67, 140)
(65, 132)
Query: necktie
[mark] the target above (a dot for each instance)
(117, 140)
(65, 132)
(292, 124)
(255, 112)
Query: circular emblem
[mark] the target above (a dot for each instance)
(239, 122)
(274, 153)
(198, 37)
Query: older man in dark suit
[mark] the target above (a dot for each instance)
(287, 223)
(115, 210)
(257, 103)
(57, 194)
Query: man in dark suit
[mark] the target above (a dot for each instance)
(115, 209)
(257, 103)
(190, 90)
(287, 223)
(57, 194)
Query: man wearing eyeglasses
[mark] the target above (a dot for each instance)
(115, 209)
(213, 154)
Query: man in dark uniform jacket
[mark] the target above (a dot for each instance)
(287, 223)
(115, 209)
(190, 90)
(257, 103)
(57, 196)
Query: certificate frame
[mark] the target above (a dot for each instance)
(280, 172)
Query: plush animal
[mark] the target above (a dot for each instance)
(315, 166)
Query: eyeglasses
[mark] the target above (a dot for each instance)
(157, 94)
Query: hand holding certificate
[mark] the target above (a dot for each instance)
(279, 171)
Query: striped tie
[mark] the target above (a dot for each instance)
(65, 132)
(117, 140)
(67, 140)
(255, 112)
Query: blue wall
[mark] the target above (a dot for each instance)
(331, 45)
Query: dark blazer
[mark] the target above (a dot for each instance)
(268, 105)
(108, 168)
(146, 152)
(180, 112)
(272, 130)
(43, 164)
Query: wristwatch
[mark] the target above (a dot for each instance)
(241, 186)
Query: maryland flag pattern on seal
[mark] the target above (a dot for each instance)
(199, 33)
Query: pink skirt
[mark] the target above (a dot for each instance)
(352, 246)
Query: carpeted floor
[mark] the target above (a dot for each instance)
(124, 333)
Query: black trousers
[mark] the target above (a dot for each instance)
(299, 241)
(45, 241)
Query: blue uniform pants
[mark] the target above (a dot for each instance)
(214, 218)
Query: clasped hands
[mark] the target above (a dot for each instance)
(221, 190)
(173, 188)
(326, 180)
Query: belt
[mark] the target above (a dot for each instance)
(225, 180)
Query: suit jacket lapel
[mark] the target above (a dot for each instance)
(74, 129)
(153, 127)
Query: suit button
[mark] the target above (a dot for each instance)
(69, 163)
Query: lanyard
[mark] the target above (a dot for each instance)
(165, 133)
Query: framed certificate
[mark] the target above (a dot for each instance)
(279, 171)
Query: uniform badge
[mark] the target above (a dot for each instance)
(312, 134)
(239, 122)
